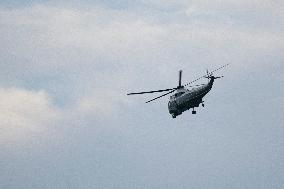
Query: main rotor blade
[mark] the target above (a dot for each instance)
(156, 91)
(219, 68)
(161, 96)
(195, 80)
(179, 81)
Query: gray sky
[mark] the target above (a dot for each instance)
(66, 121)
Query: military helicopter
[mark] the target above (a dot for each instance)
(184, 99)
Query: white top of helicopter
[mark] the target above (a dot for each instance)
(178, 93)
(183, 91)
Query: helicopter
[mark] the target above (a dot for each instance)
(184, 99)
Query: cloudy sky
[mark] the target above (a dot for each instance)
(65, 69)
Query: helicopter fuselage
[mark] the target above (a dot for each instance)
(185, 99)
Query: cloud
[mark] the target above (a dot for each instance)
(100, 104)
(66, 68)
(24, 113)
(99, 34)
(72, 53)
(88, 58)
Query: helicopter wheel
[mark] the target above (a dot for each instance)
(193, 112)
(174, 115)
(202, 105)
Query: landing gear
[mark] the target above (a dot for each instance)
(193, 111)
(174, 115)
(202, 105)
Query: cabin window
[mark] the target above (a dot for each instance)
(178, 94)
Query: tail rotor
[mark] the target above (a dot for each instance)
(210, 75)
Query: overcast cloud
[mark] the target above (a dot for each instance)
(66, 121)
